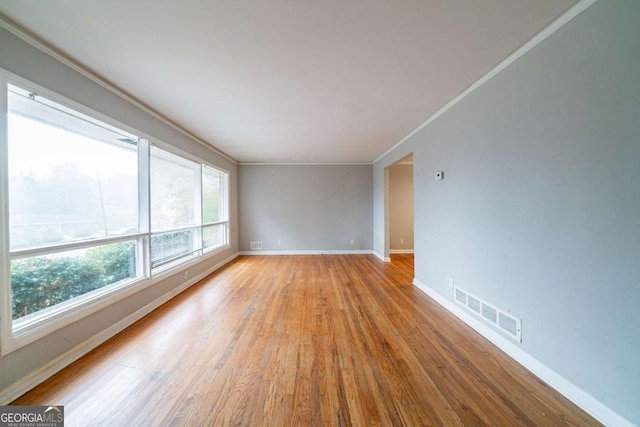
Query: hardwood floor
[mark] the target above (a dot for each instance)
(303, 340)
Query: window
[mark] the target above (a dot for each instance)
(72, 180)
(188, 208)
(92, 209)
(214, 208)
(40, 282)
(175, 217)
(69, 179)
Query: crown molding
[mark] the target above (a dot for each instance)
(302, 164)
(533, 42)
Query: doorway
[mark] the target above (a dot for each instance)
(399, 210)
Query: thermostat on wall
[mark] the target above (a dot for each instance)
(439, 176)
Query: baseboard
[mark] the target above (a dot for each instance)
(400, 251)
(26, 383)
(584, 400)
(382, 257)
(314, 252)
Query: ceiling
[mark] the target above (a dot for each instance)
(285, 81)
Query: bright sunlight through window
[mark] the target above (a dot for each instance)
(79, 224)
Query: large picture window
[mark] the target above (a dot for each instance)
(72, 180)
(175, 216)
(92, 208)
(214, 208)
(188, 208)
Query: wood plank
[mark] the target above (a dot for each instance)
(331, 340)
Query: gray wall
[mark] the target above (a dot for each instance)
(539, 211)
(401, 207)
(20, 58)
(306, 207)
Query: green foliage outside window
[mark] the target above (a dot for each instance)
(41, 282)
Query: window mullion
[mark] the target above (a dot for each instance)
(198, 207)
(174, 230)
(215, 223)
(48, 250)
(144, 209)
(224, 195)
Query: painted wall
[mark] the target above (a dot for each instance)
(306, 207)
(539, 211)
(401, 207)
(20, 58)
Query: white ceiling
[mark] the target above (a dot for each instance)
(328, 81)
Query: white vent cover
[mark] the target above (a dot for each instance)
(461, 296)
(500, 318)
(256, 245)
(474, 304)
(509, 324)
(489, 313)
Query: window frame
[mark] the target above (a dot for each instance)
(226, 201)
(194, 165)
(201, 252)
(75, 309)
(60, 315)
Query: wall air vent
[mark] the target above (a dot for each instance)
(474, 304)
(461, 296)
(507, 323)
(256, 245)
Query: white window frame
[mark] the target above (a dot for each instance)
(225, 209)
(200, 251)
(66, 313)
(197, 220)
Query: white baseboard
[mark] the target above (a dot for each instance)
(314, 252)
(382, 257)
(584, 400)
(29, 381)
(400, 251)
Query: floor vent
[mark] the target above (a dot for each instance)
(499, 318)
(256, 245)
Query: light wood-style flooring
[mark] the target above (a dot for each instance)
(333, 340)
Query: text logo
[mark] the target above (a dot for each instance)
(31, 416)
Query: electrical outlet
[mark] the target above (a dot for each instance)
(401, 240)
(186, 274)
(353, 242)
(278, 241)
